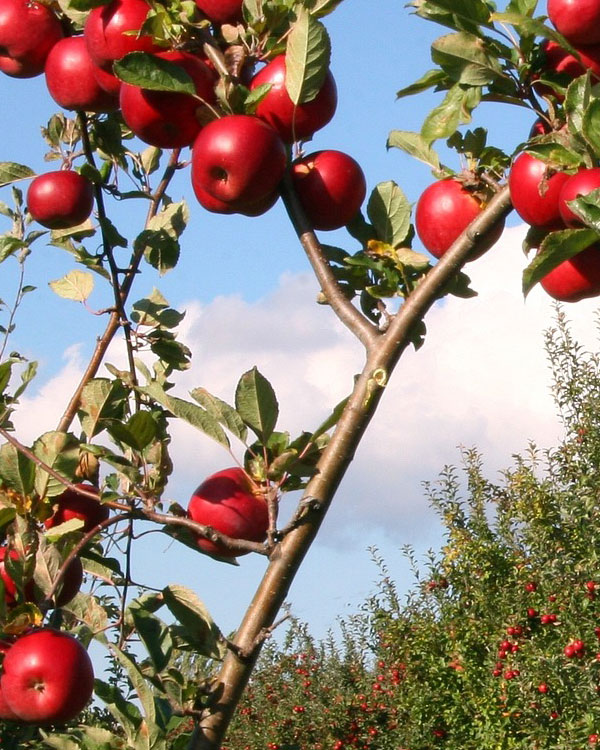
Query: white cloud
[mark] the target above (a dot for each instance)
(480, 379)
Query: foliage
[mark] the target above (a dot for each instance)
(474, 656)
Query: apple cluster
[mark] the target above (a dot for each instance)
(46, 676)
(238, 160)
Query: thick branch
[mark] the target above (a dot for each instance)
(352, 318)
(287, 557)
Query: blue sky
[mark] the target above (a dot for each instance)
(245, 284)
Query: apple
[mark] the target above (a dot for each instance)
(6, 713)
(581, 183)
(47, 677)
(576, 278)
(237, 163)
(331, 187)
(535, 189)
(444, 210)
(577, 20)
(61, 199)
(293, 123)
(71, 79)
(28, 31)
(107, 31)
(167, 119)
(71, 582)
(230, 503)
(72, 504)
(221, 11)
(107, 80)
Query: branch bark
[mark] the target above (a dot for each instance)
(382, 357)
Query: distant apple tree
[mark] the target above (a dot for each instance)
(244, 85)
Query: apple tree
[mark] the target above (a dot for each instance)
(243, 86)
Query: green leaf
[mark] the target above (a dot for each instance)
(150, 72)
(256, 403)
(159, 241)
(194, 415)
(320, 8)
(16, 471)
(58, 451)
(455, 110)
(196, 622)
(307, 57)
(124, 711)
(465, 59)
(9, 246)
(222, 411)
(555, 154)
(428, 80)
(154, 635)
(11, 172)
(414, 145)
(101, 399)
(389, 212)
(76, 285)
(591, 125)
(587, 208)
(555, 249)
(138, 432)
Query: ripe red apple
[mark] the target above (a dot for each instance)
(107, 80)
(229, 502)
(444, 210)
(577, 20)
(576, 278)
(61, 199)
(221, 11)
(238, 162)
(534, 190)
(72, 504)
(6, 713)
(71, 79)
(166, 119)
(71, 582)
(107, 28)
(28, 31)
(331, 187)
(47, 677)
(581, 183)
(293, 123)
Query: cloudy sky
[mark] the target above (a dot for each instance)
(481, 379)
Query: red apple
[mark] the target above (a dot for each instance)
(47, 677)
(577, 20)
(59, 200)
(221, 11)
(293, 123)
(73, 504)
(229, 502)
(238, 162)
(577, 278)
(71, 78)
(331, 187)
(107, 28)
(534, 190)
(6, 713)
(581, 183)
(107, 80)
(166, 119)
(444, 210)
(28, 31)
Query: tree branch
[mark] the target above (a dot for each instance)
(338, 454)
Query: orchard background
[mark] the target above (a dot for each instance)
(249, 300)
